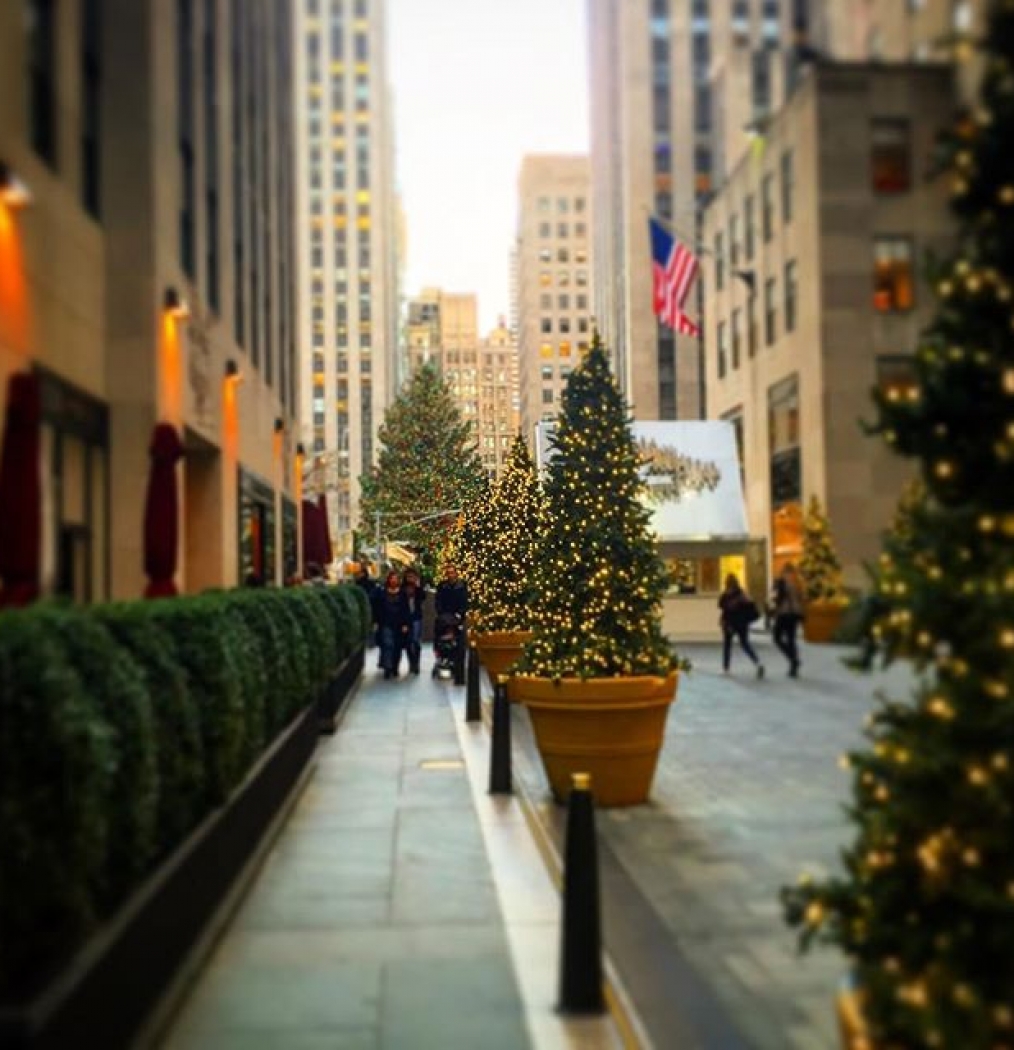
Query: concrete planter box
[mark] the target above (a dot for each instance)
(499, 650)
(822, 620)
(338, 689)
(108, 990)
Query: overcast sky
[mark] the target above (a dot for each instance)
(478, 84)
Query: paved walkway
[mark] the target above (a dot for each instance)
(401, 907)
(748, 793)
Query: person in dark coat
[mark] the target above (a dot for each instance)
(789, 606)
(452, 594)
(415, 597)
(391, 615)
(738, 612)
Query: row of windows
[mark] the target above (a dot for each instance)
(743, 324)
(563, 255)
(563, 278)
(561, 349)
(563, 230)
(563, 325)
(562, 301)
(564, 205)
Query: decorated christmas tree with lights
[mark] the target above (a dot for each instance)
(925, 905)
(502, 540)
(819, 566)
(598, 578)
(428, 466)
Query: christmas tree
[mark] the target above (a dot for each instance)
(428, 465)
(925, 905)
(819, 566)
(598, 579)
(504, 534)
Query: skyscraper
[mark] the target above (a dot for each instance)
(553, 285)
(347, 242)
(661, 112)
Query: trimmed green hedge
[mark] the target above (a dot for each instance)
(122, 726)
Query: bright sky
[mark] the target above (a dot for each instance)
(478, 84)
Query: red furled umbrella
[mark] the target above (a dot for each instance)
(161, 513)
(325, 524)
(313, 539)
(21, 493)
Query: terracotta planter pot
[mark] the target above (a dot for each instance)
(611, 728)
(499, 650)
(822, 620)
(851, 1023)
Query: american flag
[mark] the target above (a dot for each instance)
(673, 269)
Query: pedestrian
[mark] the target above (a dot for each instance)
(415, 597)
(392, 619)
(789, 605)
(451, 604)
(738, 612)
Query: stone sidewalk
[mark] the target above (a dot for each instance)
(401, 906)
(748, 793)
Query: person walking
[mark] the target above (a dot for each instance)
(789, 606)
(738, 612)
(393, 622)
(415, 598)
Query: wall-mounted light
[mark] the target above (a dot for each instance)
(175, 304)
(279, 425)
(300, 449)
(232, 371)
(13, 190)
(748, 277)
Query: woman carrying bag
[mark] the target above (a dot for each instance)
(738, 611)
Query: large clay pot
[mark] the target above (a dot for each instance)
(611, 728)
(499, 650)
(822, 620)
(851, 1023)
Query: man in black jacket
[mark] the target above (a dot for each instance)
(452, 600)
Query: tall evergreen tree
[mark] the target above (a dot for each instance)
(599, 580)
(428, 464)
(925, 905)
(504, 535)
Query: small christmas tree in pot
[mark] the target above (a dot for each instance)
(821, 572)
(503, 536)
(598, 676)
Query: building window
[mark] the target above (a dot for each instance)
(547, 396)
(722, 350)
(770, 311)
(212, 267)
(896, 376)
(362, 48)
(768, 206)
(748, 239)
(891, 156)
(736, 337)
(42, 78)
(547, 373)
(790, 296)
(90, 110)
(734, 241)
(893, 288)
(719, 262)
(751, 325)
(546, 325)
(788, 186)
(185, 131)
(545, 230)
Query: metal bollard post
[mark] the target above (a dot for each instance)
(500, 748)
(473, 697)
(459, 658)
(581, 941)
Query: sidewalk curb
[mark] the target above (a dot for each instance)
(618, 1001)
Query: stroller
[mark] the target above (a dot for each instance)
(446, 644)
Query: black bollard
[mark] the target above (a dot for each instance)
(459, 658)
(473, 697)
(500, 748)
(580, 940)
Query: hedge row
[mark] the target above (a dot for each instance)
(122, 726)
